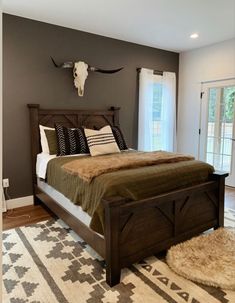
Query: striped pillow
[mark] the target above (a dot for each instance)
(70, 141)
(101, 141)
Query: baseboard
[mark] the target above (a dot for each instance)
(19, 202)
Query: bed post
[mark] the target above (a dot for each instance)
(112, 232)
(220, 178)
(35, 145)
(116, 115)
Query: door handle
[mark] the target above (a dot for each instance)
(233, 139)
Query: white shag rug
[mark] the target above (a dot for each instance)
(207, 259)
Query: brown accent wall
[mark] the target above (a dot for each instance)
(30, 77)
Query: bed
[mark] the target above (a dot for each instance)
(135, 229)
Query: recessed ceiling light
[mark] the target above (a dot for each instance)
(194, 36)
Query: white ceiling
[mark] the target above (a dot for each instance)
(165, 24)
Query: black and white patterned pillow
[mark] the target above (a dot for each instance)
(71, 141)
(119, 137)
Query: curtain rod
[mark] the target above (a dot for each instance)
(155, 71)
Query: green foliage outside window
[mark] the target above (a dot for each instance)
(227, 104)
(229, 96)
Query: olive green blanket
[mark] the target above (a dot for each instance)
(133, 183)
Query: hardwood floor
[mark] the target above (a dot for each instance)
(230, 197)
(35, 213)
(25, 216)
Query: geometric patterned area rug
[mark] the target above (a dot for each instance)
(48, 263)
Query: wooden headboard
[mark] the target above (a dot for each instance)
(89, 118)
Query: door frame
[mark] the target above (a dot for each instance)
(203, 120)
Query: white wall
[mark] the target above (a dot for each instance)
(204, 64)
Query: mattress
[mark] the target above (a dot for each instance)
(60, 199)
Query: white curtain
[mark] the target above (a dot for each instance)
(168, 114)
(167, 122)
(146, 81)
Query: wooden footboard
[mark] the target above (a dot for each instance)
(135, 230)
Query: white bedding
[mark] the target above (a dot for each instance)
(41, 164)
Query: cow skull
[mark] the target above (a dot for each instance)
(80, 72)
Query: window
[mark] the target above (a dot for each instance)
(220, 127)
(156, 111)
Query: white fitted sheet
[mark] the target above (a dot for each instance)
(41, 164)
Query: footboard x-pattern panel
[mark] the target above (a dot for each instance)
(166, 219)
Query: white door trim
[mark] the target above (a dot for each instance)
(230, 181)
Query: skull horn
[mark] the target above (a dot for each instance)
(104, 71)
(63, 65)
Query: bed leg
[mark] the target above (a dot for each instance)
(36, 201)
(112, 248)
(220, 177)
(113, 275)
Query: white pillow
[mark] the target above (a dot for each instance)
(101, 141)
(44, 143)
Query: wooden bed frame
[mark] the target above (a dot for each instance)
(133, 229)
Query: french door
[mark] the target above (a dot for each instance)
(217, 130)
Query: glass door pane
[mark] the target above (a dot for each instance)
(217, 127)
(220, 127)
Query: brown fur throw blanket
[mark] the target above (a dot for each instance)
(90, 167)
